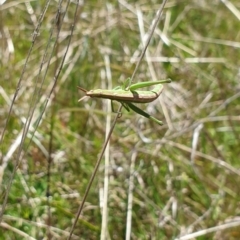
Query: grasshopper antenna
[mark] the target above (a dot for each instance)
(82, 98)
(83, 90)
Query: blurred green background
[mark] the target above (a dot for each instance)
(183, 176)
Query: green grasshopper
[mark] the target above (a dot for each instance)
(127, 95)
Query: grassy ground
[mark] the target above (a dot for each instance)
(164, 182)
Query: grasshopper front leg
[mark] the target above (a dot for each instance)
(119, 113)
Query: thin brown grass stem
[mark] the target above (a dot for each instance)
(94, 172)
(155, 22)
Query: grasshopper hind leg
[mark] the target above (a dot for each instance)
(144, 114)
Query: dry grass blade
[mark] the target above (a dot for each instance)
(175, 181)
(35, 99)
